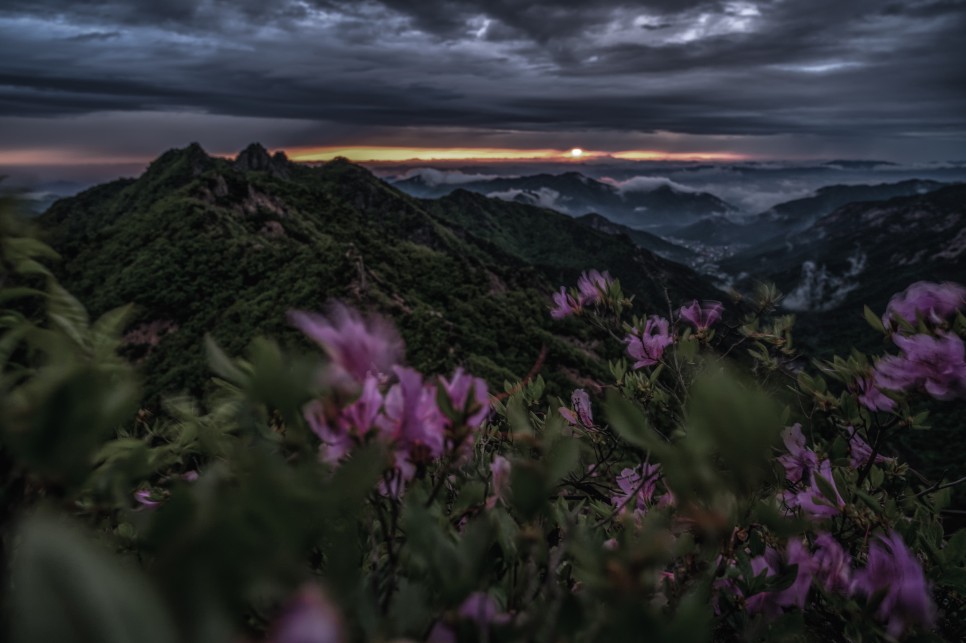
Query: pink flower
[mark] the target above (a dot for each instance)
(860, 452)
(581, 413)
(936, 363)
(925, 300)
(593, 286)
(356, 346)
(764, 602)
(647, 348)
(500, 471)
(145, 498)
(871, 396)
(341, 429)
(771, 603)
(309, 617)
(702, 316)
(441, 633)
(797, 593)
(564, 304)
(483, 610)
(411, 419)
(469, 396)
(637, 487)
(812, 500)
(800, 460)
(832, 564)
(893, 570)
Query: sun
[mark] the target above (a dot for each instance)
(576, 153)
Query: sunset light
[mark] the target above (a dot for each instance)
(399, 154)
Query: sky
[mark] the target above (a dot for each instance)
(107, 85)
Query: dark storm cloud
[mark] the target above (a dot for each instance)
(821, 68)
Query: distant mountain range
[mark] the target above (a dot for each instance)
(227, 246)
(641, 203)
(209, 245)
(862, 253)
(772, 227)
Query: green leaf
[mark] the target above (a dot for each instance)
(518, 416)
(954, 553)
(562, 458)
(873, 320)
(110, 325)
(528, 487)
(65, 417)
(70, 590)
(65, 307)
(828, 491)
(629, 422)
(9, 294)
(222, 365)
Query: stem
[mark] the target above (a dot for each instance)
(939, 487)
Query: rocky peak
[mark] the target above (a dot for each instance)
(179, 164)
(255, 158)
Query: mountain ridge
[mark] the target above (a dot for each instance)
(659, 207)
(228, 246)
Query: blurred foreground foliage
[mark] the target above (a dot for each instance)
(215, 520)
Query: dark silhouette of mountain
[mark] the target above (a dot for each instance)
(771, 228)
(859, 164)
(652, 242)
(560, 244)
(864, 252)
(655, 205)
(227, 247)
(802, 212)
(255, 158)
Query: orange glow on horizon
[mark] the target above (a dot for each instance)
(653, 155)
(362, 153)
(399, 154)
(373, 154)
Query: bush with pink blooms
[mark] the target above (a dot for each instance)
(716, 487)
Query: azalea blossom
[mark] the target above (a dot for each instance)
(929, 301)
(500, 471)
(145, 498)
(581, 413)
(702, 315)
(411, 419)
(812, 500)
(893, 571)
(482, 609)
(637, 487)
(860, 452)
(565, 304)
(771, 604)
(309, 617)
(592, 286)
(871, 396)
(647, 348)
(831, 564)
(357, 347)
(800, 460)
(938, 364)
(349, 425)
(468, 394)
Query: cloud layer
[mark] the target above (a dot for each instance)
(808, 78)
